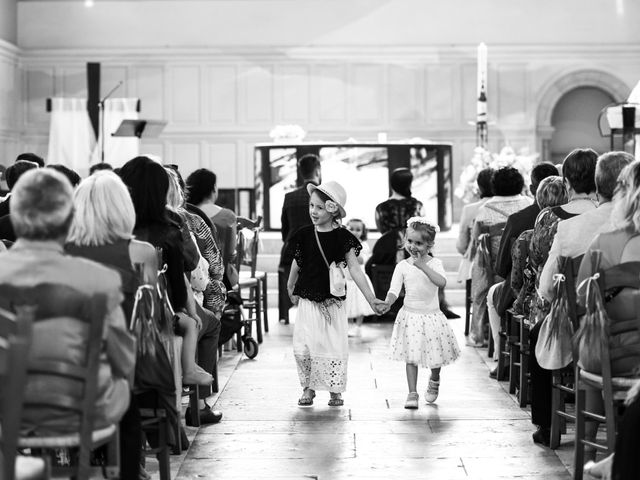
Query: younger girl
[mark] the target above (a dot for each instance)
(320, 343)
(357, 305)
(421, 335)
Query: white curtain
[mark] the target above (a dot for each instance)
(117, 150)
(71, 138)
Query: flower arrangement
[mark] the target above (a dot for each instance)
(287, 133)
(467, 189)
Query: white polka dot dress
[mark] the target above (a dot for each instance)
(421, 333)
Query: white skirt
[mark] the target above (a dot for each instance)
(321, 347)
(424, 339)
(355, 302)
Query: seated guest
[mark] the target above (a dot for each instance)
(578, 171)
(617, 246)
(500, 296)
(575, 234)
(551, 194)
(102, 231)
(202, 191)
(470, 210)
(71, 175)
(507, 184)
(99, 167)
(148, 184)
(12, 174)
(42, 211)
(214, 292)
(31, 157)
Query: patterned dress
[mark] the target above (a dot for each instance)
(392, 214)
(421, 333)
(543, 233)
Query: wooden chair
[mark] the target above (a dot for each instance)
(15, 339)
(563, 379)
(54, 302)
(247, 247)
(513, 339)
(174, 349)
(507, 336)
(613, 389)
(518, 339)
(523, 377)
(154, 416)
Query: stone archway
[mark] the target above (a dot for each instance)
(564, 83)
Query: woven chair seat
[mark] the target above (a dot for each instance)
(66, 441)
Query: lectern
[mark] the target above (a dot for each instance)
(139, 128)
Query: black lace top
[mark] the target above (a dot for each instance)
(313, 277)
(392, 214)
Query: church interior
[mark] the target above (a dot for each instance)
(541, 99)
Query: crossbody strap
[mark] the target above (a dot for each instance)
(320, 247)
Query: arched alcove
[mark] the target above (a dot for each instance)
(561, 85)
(574, 122)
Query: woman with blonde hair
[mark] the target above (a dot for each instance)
(101, 230)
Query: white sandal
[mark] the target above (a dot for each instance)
(412, 401)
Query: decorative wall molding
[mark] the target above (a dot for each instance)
(346, 53)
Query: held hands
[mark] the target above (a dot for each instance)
(380, 306)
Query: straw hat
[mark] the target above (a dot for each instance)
(334, 191)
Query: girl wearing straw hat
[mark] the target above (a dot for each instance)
(320, 342)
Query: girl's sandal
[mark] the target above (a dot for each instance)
(307, 397)
(336, 400)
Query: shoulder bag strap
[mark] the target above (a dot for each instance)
(315, 232)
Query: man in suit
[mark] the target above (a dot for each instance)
(295, 214)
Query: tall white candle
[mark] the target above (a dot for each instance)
(482, 67)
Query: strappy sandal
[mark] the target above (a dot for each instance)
(307, 397)
(336, 400)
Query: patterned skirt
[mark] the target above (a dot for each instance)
(424, 339)
(321, 346)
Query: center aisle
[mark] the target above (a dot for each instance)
(474, 431)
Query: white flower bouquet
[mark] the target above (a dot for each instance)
(287, 133)
(467, 189)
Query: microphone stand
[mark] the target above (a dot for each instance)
(101, 108)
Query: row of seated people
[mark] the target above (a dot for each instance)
(515, 245)
(140, 224)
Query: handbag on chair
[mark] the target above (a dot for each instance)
(554, 346)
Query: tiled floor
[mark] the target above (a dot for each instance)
(474, 431)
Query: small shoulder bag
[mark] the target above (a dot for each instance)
(337, 278)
